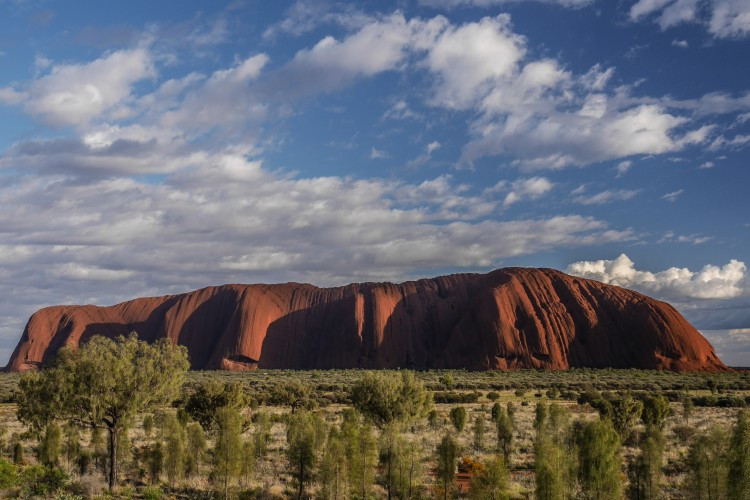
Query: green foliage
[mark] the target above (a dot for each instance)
(540, 415)
(102, 385)
(555, 462)
(148, 425)
(504, 426)
(72, 444)
(302, 438)
(433, 419)
(227, 448)
(622, 412)
(333, 470)
(493, 482)
(155, 461)
(599, 461)
(458, 416)
(8, 474)
(739, 457)
(262, 433)
(644, 471)
(707, 465)
(42, 481)
(152, 493)
(495, 412)
(247, 461)
(447, 455)
(50, 445)
(295, 394)
(687, 408)
(18, 455)
(479, 433)
(360, 452)
(196, 448)
(204, 404)
(385, 397)
(174, 449)
(655, 411)
(447, 381)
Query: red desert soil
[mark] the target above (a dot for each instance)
(506, 319)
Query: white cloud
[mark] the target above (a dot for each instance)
(468, 59)
(683, 44)
(520, 189)
(330, 64)
(433, 146)
(722, 18)
(73, 94)
(377, 154)
(452, 4)
(707, 165)
(11, 96)
(672, 196)
(607, 196)
(711, 282)
(623, 167)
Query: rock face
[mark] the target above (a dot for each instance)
(506, 319)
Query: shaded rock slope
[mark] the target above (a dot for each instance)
(507, 319)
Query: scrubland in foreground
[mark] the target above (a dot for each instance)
(355, 434)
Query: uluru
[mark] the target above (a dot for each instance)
(507, 319)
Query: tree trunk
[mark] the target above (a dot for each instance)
(113, 465)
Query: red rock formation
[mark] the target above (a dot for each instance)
(507, 319)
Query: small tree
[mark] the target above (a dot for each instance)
(360, 449)
(687, 408)
(458, 417)
(447, 454)
(227, 448)
(50, 445)
(155, 461)
(554, 460)
(540, 415)
(623, 413)
(479, 432)
(599, 462)
(655, 411)
(333, 470)
(196, 448)
(495, 412)
(707, 464)
(302, 439)
(262, 433)
(645, 470)
(175, 452)
(493, 482)
(104, 384)
(385, 397)
(247, 461)
(295, 394)
(204, 404)
(504, 427)
(739, 457)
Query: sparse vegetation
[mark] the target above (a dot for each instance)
(361, 434)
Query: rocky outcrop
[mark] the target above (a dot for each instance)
(507, 319)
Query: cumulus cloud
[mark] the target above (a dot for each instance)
(722, 18)
(73, 94)
(711, 282)
(520, 189)
(229, 219)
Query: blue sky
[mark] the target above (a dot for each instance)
(156, 147)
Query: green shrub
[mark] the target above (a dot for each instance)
(8, 474)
